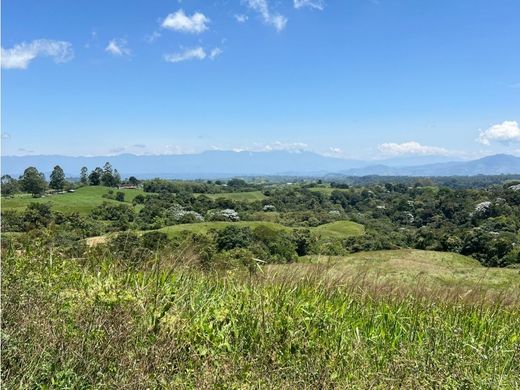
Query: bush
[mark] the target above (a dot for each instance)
(234, 237)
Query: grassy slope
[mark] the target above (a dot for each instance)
(239, 196)
(97, 325)
(206, 226)
(81, 201)
(408, 267)
(330, 230)
(339, 229)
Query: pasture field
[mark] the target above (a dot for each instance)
(95, 323)
(82, 201)
(250, 196)
(205, 227)
(339, 229)
(409, 267)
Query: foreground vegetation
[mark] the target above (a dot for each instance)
(102, 321)
(111, 283)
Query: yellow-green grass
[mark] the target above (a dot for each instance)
(205, 227)
(339, 229)
(409, 267)
(239, 196)
(82, 201)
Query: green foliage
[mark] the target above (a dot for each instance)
(57, 178)
(101, 324)
(234, 237)
(33, 182)
(9, 186)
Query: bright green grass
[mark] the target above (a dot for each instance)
(81, 201)
(339, 229)
(72, 324)
(204, 227)
(239, 196)
(409, 267)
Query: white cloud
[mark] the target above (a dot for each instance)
(6, 136)
(197, 53)
(150, 38)
(507, 131)
(411, 148)
(118, 47)
(215, 53)
(294, 147)
(21, 55)
(179, 21)
(317, 4)
(240, 18)
(262, 7)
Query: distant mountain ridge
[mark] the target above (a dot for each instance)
(212, 164)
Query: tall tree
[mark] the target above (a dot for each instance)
(95, 176)
(83, 176)
(9, 185)
(117, 178)
(57, 177)
(107, 178)
(33, 182)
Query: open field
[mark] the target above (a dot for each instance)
(204, 227)
(97, 324)
(239, 196)
(82, 201)
(339, 229)
(408, 267)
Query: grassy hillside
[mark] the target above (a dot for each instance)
(239, 196)
(94, 323)
(81, 201)
(204, 227)
(408, 267)
(339, 229)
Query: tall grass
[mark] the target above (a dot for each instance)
(93, 323)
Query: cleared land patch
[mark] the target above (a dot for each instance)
(251, 196)
(408, 267)
(339, 229)
(82, 201)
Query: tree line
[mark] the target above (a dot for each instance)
(34, 182)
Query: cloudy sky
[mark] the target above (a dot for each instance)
(350, 78)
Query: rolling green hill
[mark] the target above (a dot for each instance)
(239, 196)
(408, 267)
(204, 227)
(339, 229)
(81, 201)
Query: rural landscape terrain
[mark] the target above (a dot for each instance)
(410, 282)
(260, 194)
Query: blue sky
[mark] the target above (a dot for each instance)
(350, 78)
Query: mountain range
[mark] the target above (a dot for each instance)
(222, 164)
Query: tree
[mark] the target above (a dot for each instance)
(116, 178)
(33, 182)
(95, 176)
(120, 196)
(9, 185)
(83, 176)
(133, 181)
(57, 177)
(107, 178)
